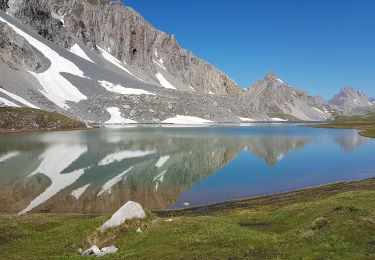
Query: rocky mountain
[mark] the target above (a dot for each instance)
(351, 101)
(280, 101)
(102, 62)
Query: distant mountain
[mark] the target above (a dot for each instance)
(280, 101)
(349, 101)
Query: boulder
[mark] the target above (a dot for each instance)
(107, 251)
(129, 210)
(93, 250)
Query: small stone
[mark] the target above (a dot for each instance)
(139, 231)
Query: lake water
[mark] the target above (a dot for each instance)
(170, 167)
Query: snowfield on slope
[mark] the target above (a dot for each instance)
(116, 117)
(116, 88)
(186, 120)
(163, 81)
(116, 62)
(76, 49)
(18, 98)
(55, 87)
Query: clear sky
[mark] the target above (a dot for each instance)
(315, 45)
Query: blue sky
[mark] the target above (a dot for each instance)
(315, 45)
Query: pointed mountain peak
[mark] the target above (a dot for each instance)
(273, 77)
(347, 89)
(270, 75)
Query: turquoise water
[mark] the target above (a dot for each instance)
(170, 167)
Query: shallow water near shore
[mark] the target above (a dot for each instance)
(171, 167)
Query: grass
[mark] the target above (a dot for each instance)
(335, 221)
(366, 123)
(28, 119)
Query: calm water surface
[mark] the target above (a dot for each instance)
(98, 171)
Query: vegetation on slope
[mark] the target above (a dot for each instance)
(29, 119)
(366, 123)
(332, 221)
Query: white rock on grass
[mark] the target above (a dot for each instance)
(130, 210)
(139, 231)
(93, 250)
(107, 251)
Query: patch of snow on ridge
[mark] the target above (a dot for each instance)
(186, 120)
(162, 160)
(107, 187)
(76, 49)
(244, 119)
(276, 119)
(119, 156)
(279, 80)
(78, 192)
(160, 63)
(163, 82)
(8, 103)
(316, 109)
(55, 87)
(18, 98)
(122, 90)
(116, 117)
(58, 17)
(116, 62)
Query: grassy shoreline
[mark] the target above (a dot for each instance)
(329, 221)
(364, 123)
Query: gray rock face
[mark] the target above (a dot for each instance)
(349, 101)
(130, 210)
(16, 52)
(275, 98)
(126, 35)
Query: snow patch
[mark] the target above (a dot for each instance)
(192, 88)
(211, 93)
(186, 120)
(160, 63)
(119, 156)
(58, 17)
(276, 119)
(116, 117)
(77, 50)
(116, 62)
(279, 80)
(9, 156)
(8, 103)
(163, 82)
(162, 160)
(78, 192)
(18, 98)
(122, 90)
(107, 187)
(55, 87)
(244, 119)
(316, 109)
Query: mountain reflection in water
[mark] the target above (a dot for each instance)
(98, 171)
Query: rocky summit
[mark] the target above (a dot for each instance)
(102, 62)
(351, 101)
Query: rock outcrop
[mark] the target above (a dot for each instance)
(278, 100)
(124, 34)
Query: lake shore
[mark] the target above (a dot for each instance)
(324, 221)
(364, 123)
